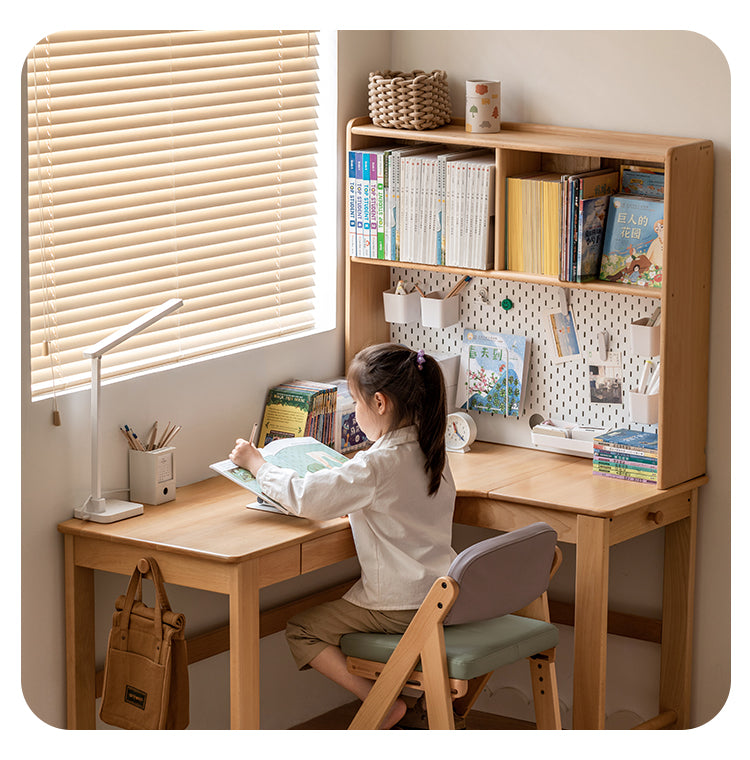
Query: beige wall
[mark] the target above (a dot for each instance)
(671, 83)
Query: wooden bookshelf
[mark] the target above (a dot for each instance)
(685, 292)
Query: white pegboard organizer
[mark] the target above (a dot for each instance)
(555, 390)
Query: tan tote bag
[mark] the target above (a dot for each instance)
(146, 670)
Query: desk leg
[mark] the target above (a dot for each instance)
(79, 641)
(590, 635)
(677, 614)
(244, 646)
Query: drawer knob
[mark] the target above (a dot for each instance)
(656, 517)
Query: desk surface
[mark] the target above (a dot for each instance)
(209, 518)
(554, 481)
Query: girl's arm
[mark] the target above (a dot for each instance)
(324, 494)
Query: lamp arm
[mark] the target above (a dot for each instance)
(133, 328)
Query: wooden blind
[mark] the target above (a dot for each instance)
(168, 164)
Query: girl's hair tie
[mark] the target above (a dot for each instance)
(420, 359)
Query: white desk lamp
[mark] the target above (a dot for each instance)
(96, 508)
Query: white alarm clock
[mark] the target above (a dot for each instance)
(460, 432)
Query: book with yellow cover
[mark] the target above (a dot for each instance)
(299, 408)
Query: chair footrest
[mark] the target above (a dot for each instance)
(372, 670)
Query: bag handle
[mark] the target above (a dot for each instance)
(134, 593)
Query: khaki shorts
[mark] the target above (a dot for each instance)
(313, 630)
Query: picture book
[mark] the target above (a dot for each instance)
(642, 180)
(303, 455)
(493, 372)
(633, 241)
(299, 408)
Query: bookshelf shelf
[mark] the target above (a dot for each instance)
(505, 274)
(684, 296)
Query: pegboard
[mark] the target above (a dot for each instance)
(554, 390)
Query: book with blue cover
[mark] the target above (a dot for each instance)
(493, 372)
(638, 440)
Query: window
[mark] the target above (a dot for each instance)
(168, 164)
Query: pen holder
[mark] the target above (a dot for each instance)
(644, 339)
(438, 311)
(644, 407)
(401, 308)
(152, 475)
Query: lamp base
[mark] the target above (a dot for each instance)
(112, 510)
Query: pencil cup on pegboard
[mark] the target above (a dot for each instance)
(644, 408)
(401, 307)
(439, 311)
(644, 338)
(152, 475)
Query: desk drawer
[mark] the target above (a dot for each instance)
(276, 567)
(327, 549)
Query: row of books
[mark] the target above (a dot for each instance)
(627, 455)
(603, 224)
(306, 408)
(423, 205)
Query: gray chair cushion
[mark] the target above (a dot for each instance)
(502, 574)
(473, 649)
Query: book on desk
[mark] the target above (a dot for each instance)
(303, 455)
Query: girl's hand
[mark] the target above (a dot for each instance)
(245, 454)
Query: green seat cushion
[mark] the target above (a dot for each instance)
(473, 649)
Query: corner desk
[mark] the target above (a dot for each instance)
(207, 539)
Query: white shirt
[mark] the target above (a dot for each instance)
(402, 535)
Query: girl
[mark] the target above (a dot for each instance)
(399, 495)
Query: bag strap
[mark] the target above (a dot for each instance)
(145, 566)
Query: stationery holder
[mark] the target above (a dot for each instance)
(152, 475)
(644, 407)
(644, 338)
(439, 311)
(401, 308)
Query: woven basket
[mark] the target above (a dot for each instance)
(409, 101)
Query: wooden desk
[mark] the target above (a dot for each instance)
(505, 487)
(206, 539)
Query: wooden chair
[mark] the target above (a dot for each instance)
(463, 631)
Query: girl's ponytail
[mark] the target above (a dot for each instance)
(414, 383)
(431, 421)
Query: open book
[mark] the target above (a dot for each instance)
(302, 455)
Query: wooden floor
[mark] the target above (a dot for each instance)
(477, 721)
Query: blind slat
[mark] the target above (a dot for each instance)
(168, 164)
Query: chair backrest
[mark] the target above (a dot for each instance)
(502, 574)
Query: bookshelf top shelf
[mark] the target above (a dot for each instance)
(539, 138)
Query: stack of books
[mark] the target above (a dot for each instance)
(299, 408)
(470, 212)
(397, 205)
(585, 202)
(533, 223)
(626, 454)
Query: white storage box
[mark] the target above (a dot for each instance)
(644, 407)
(438, 311)
(644, 339)
(401, 309)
